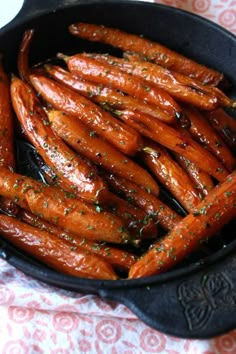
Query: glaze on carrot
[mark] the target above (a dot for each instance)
(118, 258)
(174, 140)
(63, 98)
(184, 88)
(106, 74)
(201, 180)
(179, 86)
(7, 158)
(217, 209)
(57, 254)
(136, 220)
(171, 175)
(203, 132)
(75, 174)
(225, 125)
(63, 208)
(95, 148)
(105, 95)
(7, 151)
(23, 55)
(136, 195)
(150, 49)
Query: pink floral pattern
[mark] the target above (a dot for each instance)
(226, 344)
(222, 12)
(37, 318)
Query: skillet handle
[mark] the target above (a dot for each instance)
(201, 304)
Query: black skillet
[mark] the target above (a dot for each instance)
(197, 299)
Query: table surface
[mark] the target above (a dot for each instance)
(36, 318)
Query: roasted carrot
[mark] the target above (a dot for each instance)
(62, 208)
(60, 97)
(136, 220)
(203, 132)
(225, 125)
(111, 76)
(170, 174)
(23, 55)
(118, 258)
(174, 140)
(184, 88)
(217, 209)
(179, 86)
(98, 150)
(150, 49)
(7, 151)
(72, 170)
(57, 254)
(136, 195)
(202, 181)
(105, 95)
(7, 158)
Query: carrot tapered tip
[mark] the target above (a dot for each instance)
(148, 150)
(48, 67)
(233, 104)
(73, 28)
(27, 38)
(62, 56)
(14, 77)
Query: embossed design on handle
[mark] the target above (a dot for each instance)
(201, 298)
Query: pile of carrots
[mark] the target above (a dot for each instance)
(111, 131)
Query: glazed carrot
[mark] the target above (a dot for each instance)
(7, 158)
(136, 220)
(202, 180)
(57, 254)
(72, 170)
(184, 88)
(7, 153)
(170, 174)
(105, 95)
(174, 140)
(23, 55)
(217, 209)
(158, 210)
(60, 97)
(98, 150)
(225, 125)
(109, 75)
(62, 208)
(203, 132)
(118, 258)
(152, 50)
(179, 86)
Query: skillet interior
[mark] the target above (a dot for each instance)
(188, 34)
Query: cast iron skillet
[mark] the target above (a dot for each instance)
(197, 299)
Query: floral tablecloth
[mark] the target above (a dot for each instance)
(36, 318)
